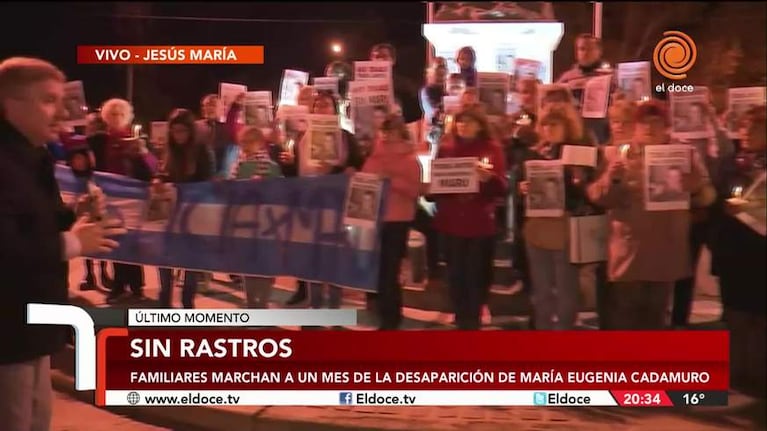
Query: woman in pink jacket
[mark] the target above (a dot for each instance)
(394, 158)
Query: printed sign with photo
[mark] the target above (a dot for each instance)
(292, 81)
(579, 155)
(228, 93)
(74, 103)
(546, 189)
(525, 68)
(455, 175)
(739, 101)
(158, 133)
(665, 169)
(258, 109)
(375, 71)
(504, 58)
(370, 103)
(452, 104)
(634, 80)
(293, 120)
(596, 97)
(321, 146)
(363, 200)
(326, 83)
(493, 91)
(691, 115)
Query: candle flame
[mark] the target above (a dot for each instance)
(737, 191)
(624, 149)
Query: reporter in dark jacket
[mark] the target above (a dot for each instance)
(37, 237)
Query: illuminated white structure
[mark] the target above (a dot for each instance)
(497, 44)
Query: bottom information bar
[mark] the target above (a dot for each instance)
(351, 398)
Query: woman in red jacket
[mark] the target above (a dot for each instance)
(467, 220)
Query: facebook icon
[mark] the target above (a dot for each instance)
(345, 398)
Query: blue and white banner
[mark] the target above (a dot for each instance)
(272, 227)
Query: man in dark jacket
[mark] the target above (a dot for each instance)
(37, 237)
(405, 92)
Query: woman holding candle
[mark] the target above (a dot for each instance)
(647, 250)
(125, 153)
(738, 253)
(554, 280)
(467, 221)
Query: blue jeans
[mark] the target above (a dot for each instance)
(555, 294)
(317, 295)
(188, 291)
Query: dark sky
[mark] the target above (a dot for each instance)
(52, 31)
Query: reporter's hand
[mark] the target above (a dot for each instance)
(95, 237)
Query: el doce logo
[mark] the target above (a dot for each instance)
(674, 55)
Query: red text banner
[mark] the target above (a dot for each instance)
(160, 54)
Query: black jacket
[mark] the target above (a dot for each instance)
(32, 217)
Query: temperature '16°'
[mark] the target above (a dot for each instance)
(693, 398)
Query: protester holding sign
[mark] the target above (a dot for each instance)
(218, 136)
(188, 161)
(554, 279)
(405, 92)
(647, 250)
(738, 253)
(125, 154)
(394, 158)
(467, 221)
(467, 60)
(256, 159)
(589, 64)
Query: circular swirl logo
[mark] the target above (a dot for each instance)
(675, 55)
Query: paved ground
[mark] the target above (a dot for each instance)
(70, 414)
(426, 310)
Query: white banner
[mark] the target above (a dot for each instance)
(359, 398)
(454, 175)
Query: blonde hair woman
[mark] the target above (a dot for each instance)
(125, 154)
(554, 280)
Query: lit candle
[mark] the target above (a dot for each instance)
(624, 150)
(485, 160)
(605, 67)
(737, 191)
(524, 120)
(645, 99)
(137, 130)
(290, 144)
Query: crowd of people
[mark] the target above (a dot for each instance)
(646, 282)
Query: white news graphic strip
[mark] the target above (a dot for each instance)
(154, 317)
(85, 337)
(367, 398)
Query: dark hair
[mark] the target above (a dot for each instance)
(558, 95)
(395, 123)
(379, 46)
(475, 113)
(589, 37)
(467, 50)
(180, 157)
(326, 94)
(183, 117)
(207, 97)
